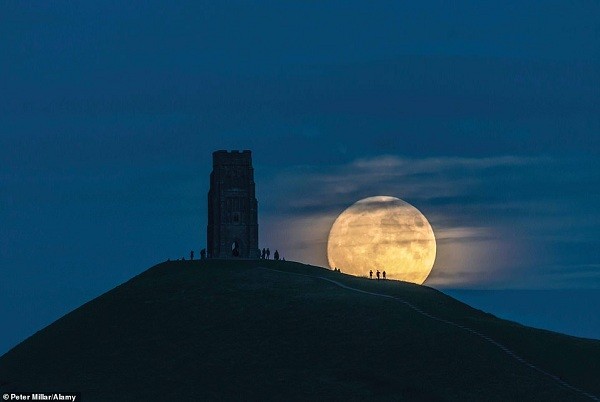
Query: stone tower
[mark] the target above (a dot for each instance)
(232, 207)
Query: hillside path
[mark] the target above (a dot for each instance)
(486, 338)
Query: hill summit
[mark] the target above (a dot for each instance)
(256, 330)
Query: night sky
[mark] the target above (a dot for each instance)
(484, 117)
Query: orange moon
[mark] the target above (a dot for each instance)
(386, 234)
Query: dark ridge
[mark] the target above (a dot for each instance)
(192, 330)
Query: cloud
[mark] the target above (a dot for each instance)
(561, 277)
(457, 234)
(496, 219)
(407, 178)
(439, 164)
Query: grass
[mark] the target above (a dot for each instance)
(196, 330)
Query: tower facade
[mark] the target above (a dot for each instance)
(232, 207)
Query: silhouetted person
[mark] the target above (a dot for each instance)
(276, 255)
(383, 274)
(264, 253)
(371, 274)
(268, 253)
(377, 274)
(203, 254)
(192, 255)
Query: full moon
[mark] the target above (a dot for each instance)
(382, 233)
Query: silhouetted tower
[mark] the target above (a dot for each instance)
(232, 207)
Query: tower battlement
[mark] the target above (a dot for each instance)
(232, 158)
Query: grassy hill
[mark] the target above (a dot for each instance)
(191, 330)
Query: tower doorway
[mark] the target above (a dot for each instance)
(235, 249)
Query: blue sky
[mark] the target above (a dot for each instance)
(486, 117)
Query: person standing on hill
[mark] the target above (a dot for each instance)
(383, 274)
(371, 274)
(192, 255)
(377, 274)
(276, 255)
(268, 253)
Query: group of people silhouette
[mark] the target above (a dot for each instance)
(378, 274)
(202, 254)
(266, 254)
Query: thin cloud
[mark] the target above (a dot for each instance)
(315, 197)
(428, 165)
(407, 178)
(491, 216)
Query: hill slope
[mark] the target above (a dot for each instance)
(192, 330)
